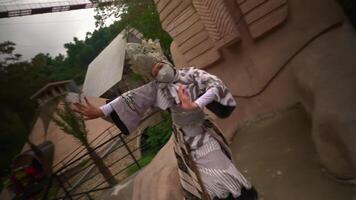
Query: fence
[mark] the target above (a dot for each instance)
(76, 177)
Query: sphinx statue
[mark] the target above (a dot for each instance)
(271, 54)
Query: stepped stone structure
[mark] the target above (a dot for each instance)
(271, 54)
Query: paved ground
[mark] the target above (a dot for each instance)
(122, 191)
(276, 154)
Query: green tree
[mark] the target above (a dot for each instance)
(74, 125)
(18, 81)
(157, 136)
(7, 55)
(12, 138)
(139, 14)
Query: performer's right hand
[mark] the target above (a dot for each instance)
(185, 101)
(88, 110)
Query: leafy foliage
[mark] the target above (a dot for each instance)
(153, 139)
(139, 14)
(18, 81)
(8, 48)
(158, 135)
(71, 123)
(21, 79)
(80, 53)
(145, 160)
(134, 78)
(12, 132)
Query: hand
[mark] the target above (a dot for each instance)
(89, 111)
(185, 101)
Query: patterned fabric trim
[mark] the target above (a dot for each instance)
(217, 134)
(207, 148)
(197, 82)
(190, 181)
(226, 181)
(130, 101)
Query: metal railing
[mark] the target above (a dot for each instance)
(81, 149)
(76, 179)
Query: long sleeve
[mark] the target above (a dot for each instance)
(106, 109)
(222, 103)
(208, 97)
(128, 109)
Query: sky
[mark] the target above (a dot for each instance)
(46, 33)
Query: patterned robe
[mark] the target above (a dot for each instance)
(204, 160)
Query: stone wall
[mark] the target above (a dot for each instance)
(273, 54)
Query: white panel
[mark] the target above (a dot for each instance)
(106, 69)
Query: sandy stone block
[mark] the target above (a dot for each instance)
(186, 35)
(266, 24)
(195, 40)
(162, 4)
(184, 26)
(247, 6)
(198, 50)
(181, 17)
(228, 40)
(205, 59)
(169, 9)
(172, 17)
(263, 10)
(178, 60)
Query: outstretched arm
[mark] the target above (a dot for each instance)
(88, 110)
(126, 110)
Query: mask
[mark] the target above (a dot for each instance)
(165, 74)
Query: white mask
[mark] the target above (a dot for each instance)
(165, 74)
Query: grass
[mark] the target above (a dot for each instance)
(154, 139)
(133, 77)
(145, 160)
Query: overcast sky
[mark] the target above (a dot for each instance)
(46, 33)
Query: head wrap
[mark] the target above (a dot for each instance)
(142, 57)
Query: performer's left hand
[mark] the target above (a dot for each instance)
(186, 103)
(88, 110)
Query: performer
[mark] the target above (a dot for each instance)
(204, 159)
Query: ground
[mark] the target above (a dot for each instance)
(276, 154)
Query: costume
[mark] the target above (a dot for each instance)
(203, 157)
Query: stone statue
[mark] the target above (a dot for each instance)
(271, 54)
